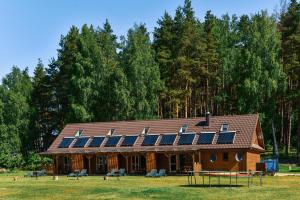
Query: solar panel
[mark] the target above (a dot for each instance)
(168, 139)
(186, 139)
(80, 142)
(150, 140)
(96, 142)
(206, 138)
(226, 138)
(112, 141)
(129, 140)
(65, 143)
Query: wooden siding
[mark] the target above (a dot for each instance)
(230, 165)
(112, 162)
(150, 162)
(252, 158)
(77, 162)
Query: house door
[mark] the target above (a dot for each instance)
(101, 164)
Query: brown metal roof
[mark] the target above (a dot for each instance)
(244, 125)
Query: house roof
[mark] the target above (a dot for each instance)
(245, 126)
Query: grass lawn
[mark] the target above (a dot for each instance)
(138, 187)
(285, 168)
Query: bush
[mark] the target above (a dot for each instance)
(11, 161)
(36, 162)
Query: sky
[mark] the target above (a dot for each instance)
(32, 29)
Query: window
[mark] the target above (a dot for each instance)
(224, 127)
(101, 164)
(67, 164)
(145, 130)
(137, 163)
(239, 157)
(183, 129)
(111, 131)
(213, 158)
(78, 133)
(225, 156)
(173, 163)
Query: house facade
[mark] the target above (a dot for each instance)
(231, 143)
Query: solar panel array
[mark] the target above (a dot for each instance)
(206, 138)
(96, 142)
(226, 138)
(149, 140)
(65, 143)
(186, 139)
(168, 139)
(80, 142)
(129, 140)
(112, 141)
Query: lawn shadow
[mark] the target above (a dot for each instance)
(212, 185)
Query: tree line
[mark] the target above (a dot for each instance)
(226, 65)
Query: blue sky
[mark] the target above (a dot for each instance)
(31, 29)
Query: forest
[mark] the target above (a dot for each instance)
(225, 65)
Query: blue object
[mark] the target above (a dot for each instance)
(80, 142)
(226, 138)
(206, 138)
(65, 143)
(186, 139)
(149, 140)
(272, 164)
(112, 141)
(129, 140)
(96, 142)
(168, 139)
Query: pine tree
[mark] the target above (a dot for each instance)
(142, 73)
(211, 61)
(111, 96)
(290, 28)
(39, 104)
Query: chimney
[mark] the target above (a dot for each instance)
(207, 118)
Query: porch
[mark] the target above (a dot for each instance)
(134, 163)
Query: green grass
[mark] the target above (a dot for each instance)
(138, 187)
(285, 168)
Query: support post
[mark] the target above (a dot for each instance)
(177, 163)
(127, 165)
(56, 159)
(89, 158)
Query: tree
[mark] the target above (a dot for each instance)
(15, 120)
(290, 28)
(111, 97)
(142, 73)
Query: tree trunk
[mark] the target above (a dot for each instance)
(298, 133)
(275, 147)
(287, 128)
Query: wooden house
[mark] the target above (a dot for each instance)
(231, 143)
